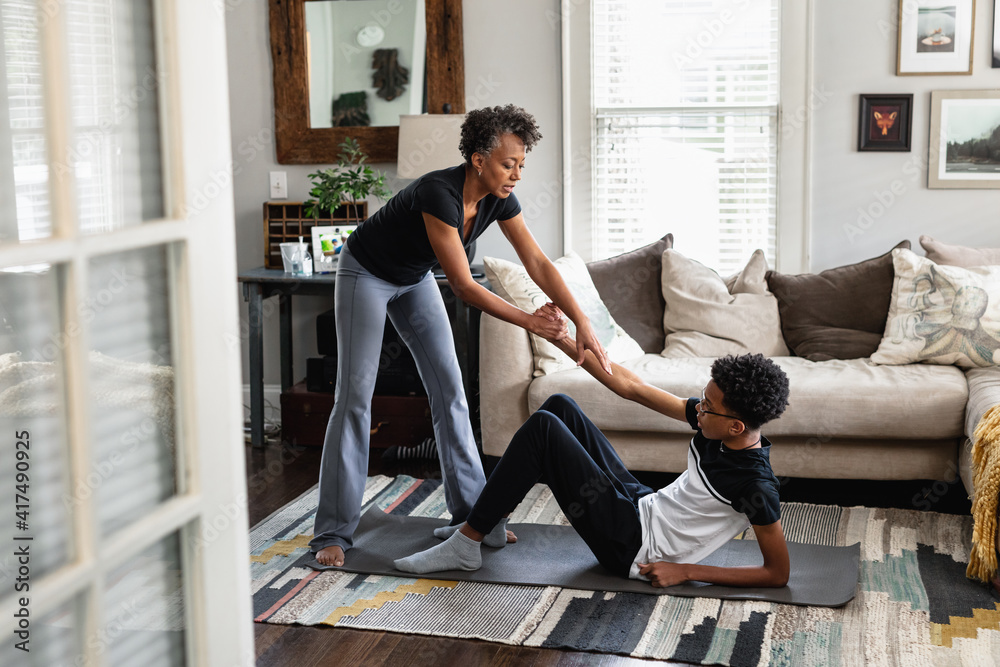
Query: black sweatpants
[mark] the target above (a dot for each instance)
(561, 447)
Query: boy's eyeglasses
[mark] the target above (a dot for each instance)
(703, 411)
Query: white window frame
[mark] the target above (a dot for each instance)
(209, 510)
(797, 98)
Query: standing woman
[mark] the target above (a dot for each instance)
(385, 267)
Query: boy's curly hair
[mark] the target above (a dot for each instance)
(753, 386)
(483, 128)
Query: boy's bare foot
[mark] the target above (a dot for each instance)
(330, 556)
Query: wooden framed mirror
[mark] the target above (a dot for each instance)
(298, 142)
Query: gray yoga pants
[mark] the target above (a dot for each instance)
(418, 314)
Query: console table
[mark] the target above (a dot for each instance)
(261, 283)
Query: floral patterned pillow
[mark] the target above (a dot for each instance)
(941, 314)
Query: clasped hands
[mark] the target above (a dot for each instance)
(554, 327)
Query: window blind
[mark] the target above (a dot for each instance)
(685, 108)
(114, 153)
(29, 163)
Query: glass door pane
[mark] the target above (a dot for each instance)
(131, 384)
(114, 81)
(144, 609)
(24, 172)
(33, 443)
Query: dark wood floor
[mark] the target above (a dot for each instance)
(277, 475)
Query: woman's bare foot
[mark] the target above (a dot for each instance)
(511, 537)
(333, 556)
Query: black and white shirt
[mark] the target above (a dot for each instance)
(722, 492)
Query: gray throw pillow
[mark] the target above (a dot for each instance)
(958, 255)
(629, 285)
(838, 313)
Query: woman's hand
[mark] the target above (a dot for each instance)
(663, 574)
(586, 339)
(549, 324)
(550, 311)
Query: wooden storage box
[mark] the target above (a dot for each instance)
(396, 420)
(285, 222)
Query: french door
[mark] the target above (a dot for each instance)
(122, 490)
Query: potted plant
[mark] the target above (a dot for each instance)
(350, 182)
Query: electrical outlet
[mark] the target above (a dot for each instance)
(279, 185)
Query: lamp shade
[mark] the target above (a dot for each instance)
(428, 142)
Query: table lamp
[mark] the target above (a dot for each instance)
(428, 142)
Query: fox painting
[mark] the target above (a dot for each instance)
(884, 127)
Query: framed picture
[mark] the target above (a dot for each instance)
(327, 242)
(935, 37)
(996, 33)
(965, 139)
(885, 122)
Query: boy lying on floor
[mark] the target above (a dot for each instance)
(633, 530)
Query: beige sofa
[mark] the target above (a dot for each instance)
(846, 418)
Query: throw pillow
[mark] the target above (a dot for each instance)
(629, 285)
(838, 313)
(703, 318)
(941, 314)
(957, 255)
(515, 286)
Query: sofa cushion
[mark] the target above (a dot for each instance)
(867, 401)
(514, 285)
(957, 255)
(629, 285)
(941, 314)
(705, 318)
(838, 313)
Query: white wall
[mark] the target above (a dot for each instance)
(512, 54)
(855, 213)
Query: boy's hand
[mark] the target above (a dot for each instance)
(549, 311)
(663, 574)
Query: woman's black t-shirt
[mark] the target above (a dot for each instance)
(393, 242)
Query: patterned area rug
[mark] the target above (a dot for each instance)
(914, 605)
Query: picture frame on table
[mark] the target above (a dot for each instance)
(327, 242)
(885, 122)
(964, 149)
(935, 37)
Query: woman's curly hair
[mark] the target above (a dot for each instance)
(483, 128)
(753, 386)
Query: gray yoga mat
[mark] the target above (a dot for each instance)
(544, 555)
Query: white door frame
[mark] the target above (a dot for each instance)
(210, 507)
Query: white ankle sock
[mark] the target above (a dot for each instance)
(458, 552)
(496, 538)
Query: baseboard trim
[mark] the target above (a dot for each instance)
(272, 403)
